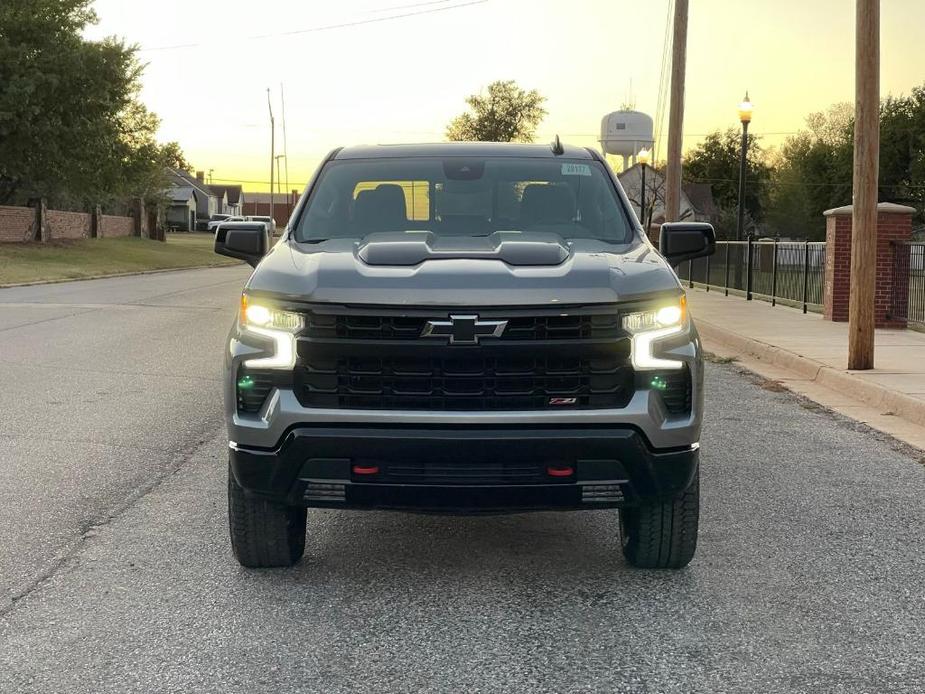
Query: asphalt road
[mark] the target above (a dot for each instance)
(105, 386)
(810, 576)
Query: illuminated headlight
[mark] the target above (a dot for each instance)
(279, 326)
(647, 327)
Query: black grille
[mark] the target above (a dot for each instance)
(252, 389)
(552, 327)
(545, 359)
(466, 380)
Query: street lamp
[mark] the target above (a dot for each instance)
(745, 117)
(643, 159)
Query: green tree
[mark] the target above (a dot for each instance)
(506, 113)
(716, 161)
(71, 126)
(813, 174)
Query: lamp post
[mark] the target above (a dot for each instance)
(745, 117)
(643, 159)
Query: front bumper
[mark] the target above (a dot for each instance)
(464, 469)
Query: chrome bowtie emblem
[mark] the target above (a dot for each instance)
(464, 330)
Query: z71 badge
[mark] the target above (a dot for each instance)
(563, 401)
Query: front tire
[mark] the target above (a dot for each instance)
(264, 534)
(662, 535)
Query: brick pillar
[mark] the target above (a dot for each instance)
(894, 223)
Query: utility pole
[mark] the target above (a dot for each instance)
(272, 150)
(279, 179)
(676, 114)
(282, 97)
(866, 173)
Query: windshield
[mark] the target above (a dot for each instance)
(462, 196)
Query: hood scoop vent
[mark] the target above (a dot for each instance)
(405, 248)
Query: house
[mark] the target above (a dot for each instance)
(700, 196)
(233, 202)
(207, 203)
(181, 211)
(258, 204)
(697, 204)
(232, 198)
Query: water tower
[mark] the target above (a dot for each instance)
(624, 133)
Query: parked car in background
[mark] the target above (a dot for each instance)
(220, 219)
(268, 221)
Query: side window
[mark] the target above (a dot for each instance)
(417, 196)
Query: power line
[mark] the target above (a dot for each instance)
(327, 27)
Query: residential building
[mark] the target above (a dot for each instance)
(207, 203)
(697, 204)
(231, 198)
(181, 211)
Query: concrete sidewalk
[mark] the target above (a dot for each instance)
(809, 355)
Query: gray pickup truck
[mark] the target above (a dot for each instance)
(459, 328)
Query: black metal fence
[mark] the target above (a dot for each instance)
(908, 300)
(790, 272)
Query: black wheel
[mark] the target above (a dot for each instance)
(662, 536)
(264, 534)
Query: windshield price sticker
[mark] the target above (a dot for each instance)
(576, 170)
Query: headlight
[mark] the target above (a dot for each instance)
(260, 316)
(648, 326)
(280, 326)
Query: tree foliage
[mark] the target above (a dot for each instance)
(71, 126)
(505, 113)
(716, 161)
(813, 174)
(815, 167)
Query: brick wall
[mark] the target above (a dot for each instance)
(111, 226)
(894, 223)
(68, 225)
(16, 223)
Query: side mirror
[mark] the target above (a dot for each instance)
(680, 241)
(247, 241)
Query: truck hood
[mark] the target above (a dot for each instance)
(585, 271)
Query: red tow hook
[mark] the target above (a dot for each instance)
(365, 469)
(554, 471)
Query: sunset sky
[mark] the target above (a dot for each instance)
(402, 79)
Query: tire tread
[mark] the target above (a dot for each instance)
(264, 534)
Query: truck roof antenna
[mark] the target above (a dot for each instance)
(557, 147)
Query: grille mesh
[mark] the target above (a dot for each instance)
(552, 327)
(252, 388)
(677, 393)
(471, 382)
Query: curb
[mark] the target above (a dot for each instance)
(844, 382)
(117, 274)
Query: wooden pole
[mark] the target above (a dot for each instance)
(272, 153)
(676, 114)
(866, 171)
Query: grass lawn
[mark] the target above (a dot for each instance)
(56, 260)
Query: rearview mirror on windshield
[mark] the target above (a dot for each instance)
(247, 241)
(680, 241)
